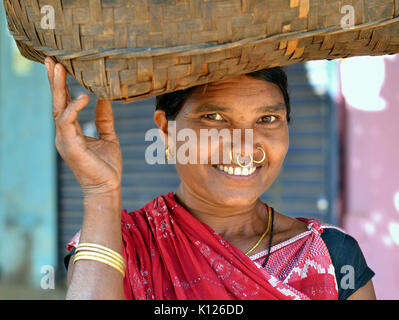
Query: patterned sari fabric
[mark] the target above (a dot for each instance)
(172, 255)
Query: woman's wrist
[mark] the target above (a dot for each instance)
(110, 199)
(109, 193)
(102, 219)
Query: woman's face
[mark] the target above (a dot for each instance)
(238, 103)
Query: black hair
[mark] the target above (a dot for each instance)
(172, 102)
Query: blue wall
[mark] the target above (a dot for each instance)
(28, 210)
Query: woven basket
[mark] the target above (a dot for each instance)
(134, 49)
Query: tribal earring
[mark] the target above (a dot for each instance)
(169, 155)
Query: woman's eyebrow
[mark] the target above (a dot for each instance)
(208, 107)
(273, 108)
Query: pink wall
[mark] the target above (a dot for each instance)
(370, 87)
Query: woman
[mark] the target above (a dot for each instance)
(214, 238)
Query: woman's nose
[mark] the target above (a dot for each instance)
(242, 152)
(243, 143)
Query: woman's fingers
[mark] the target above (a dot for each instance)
(78, 128)
(50, 66)
(50, 71)
(57, 78)
(70, 114)
(60, 92)
(105, 120)
(65, 111)
(68, 95)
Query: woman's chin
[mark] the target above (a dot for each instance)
(232, 197)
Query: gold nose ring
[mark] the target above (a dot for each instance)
(231, 157)
(252, 160)
(249, 164)
(264, 155)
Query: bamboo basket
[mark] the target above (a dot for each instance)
(128, 50)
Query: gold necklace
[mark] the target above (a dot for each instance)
(264, 233)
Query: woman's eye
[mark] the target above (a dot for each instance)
(213, 116)
(268, 119)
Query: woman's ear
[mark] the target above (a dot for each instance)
(162, 123)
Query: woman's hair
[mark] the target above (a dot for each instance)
(172, 102)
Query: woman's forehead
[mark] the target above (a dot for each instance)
(235, 89)
(242, 82)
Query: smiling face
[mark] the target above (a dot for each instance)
(238, 103)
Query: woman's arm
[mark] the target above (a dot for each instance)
(102, 225)
(97, 165)
(364, 293)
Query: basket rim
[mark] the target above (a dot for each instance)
(192, 49)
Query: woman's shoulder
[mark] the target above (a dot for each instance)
(344, 249)
(156, 204)
(286, 227)
(351, 269)
(350, 266)
(339, 241)
(146, 209)
(149, 214)
(337, 238)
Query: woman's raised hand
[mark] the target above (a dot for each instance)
(96, 163)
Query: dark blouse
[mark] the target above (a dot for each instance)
(351, 270)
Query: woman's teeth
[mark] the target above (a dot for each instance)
(237, 171)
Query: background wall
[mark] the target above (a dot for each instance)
(28, 213)
(370, 98)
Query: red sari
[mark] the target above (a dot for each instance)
(172, 255)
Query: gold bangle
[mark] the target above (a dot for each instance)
(94, 254)
(100, 253)
(109, 251)
(81, 248)
(91, 254)
(99, 258)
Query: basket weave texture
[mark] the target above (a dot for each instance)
(134, 49)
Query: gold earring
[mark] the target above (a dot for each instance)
(167, 153)
(264, 155)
